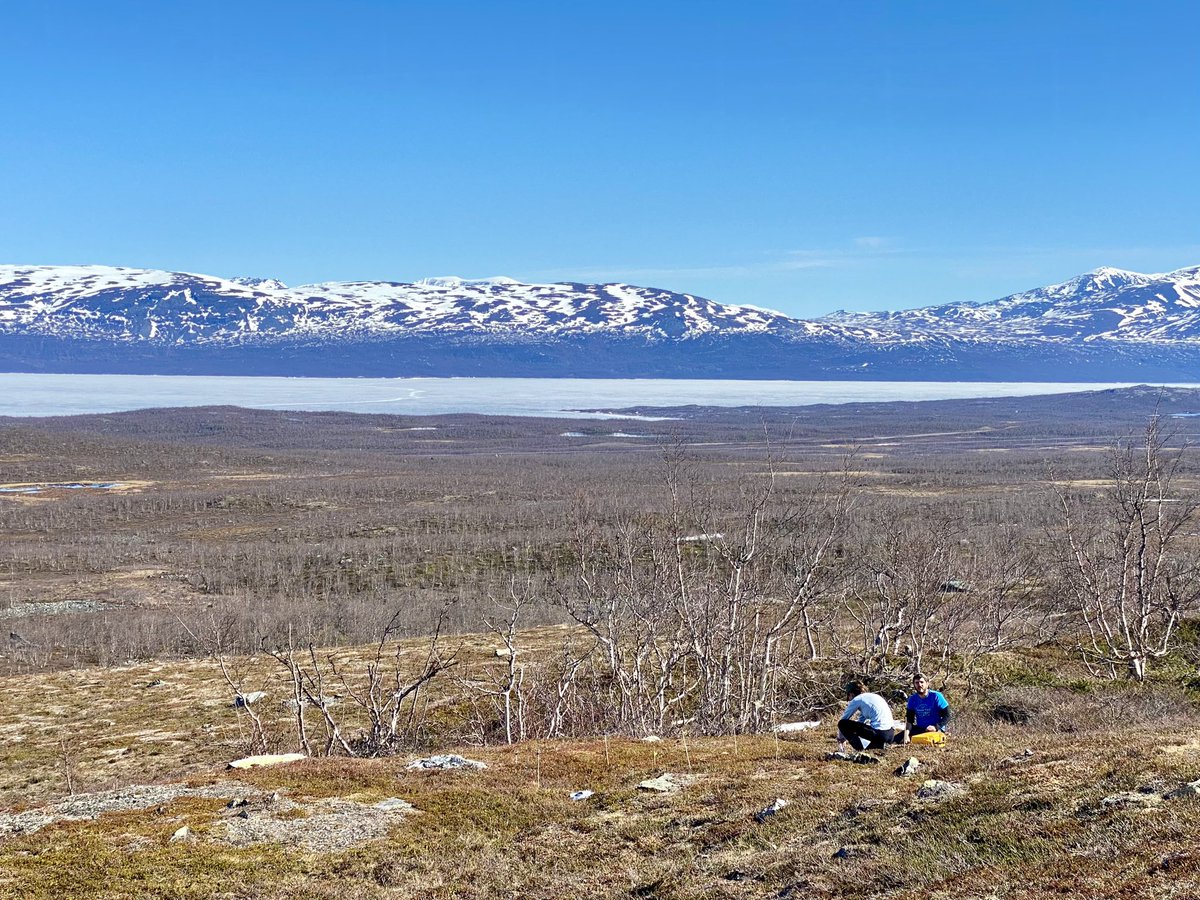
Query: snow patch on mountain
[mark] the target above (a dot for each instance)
(270, 283)
(453, 281)
(112, 303)
(117, 304)
(1106, 304)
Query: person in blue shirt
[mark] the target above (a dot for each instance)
(926, 710)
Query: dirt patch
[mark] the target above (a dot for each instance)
(86, 807)
(852, 473)
(1188, 747)
(58, 608)
(325, 826)
(63, 487)
(251, 816)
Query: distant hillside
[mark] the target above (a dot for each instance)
(1103, 326)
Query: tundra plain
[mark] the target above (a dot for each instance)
(156, 565)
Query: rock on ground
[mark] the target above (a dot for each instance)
(446, 761)
(936, 790)
(666, 782)
(843, 756)
(763, 814)
(1191, 789)
(1130, 798)
(266, 759)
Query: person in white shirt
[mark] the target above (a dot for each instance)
(874, 727)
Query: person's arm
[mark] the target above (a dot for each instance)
(847, 715)
(910, 721)
(854, 707)
(943, 714)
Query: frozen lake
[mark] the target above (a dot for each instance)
(58, 395)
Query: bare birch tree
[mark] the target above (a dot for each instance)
(700, 618)
(1129, 563)
(385, 694)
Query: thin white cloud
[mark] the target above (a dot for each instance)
(859, 249)
(876, 250)
(789, 261)
(742, 270)
(871, 242)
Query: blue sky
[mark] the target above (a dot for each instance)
(804, 156)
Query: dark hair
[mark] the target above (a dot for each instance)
(919, 676)
(856, 687)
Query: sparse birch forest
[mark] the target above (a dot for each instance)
(362, 587)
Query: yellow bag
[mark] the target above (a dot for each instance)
(928, 737)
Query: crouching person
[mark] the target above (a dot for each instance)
(927, 711)
(873, 728)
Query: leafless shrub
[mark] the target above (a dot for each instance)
(384, 694)
(699, 616)
(934, 594)
(720, 588)
(211, 633)
(1104, 709)
(1130, 568)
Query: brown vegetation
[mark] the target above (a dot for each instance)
(702, 583)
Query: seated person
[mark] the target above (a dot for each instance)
(926, 710)
(874, 727)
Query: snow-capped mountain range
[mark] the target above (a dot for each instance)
(1105, 325)
(100, 302)
(1103, 305)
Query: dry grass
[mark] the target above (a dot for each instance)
(1035, 827)
(312, 519)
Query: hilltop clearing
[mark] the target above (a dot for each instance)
(1093, 797)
